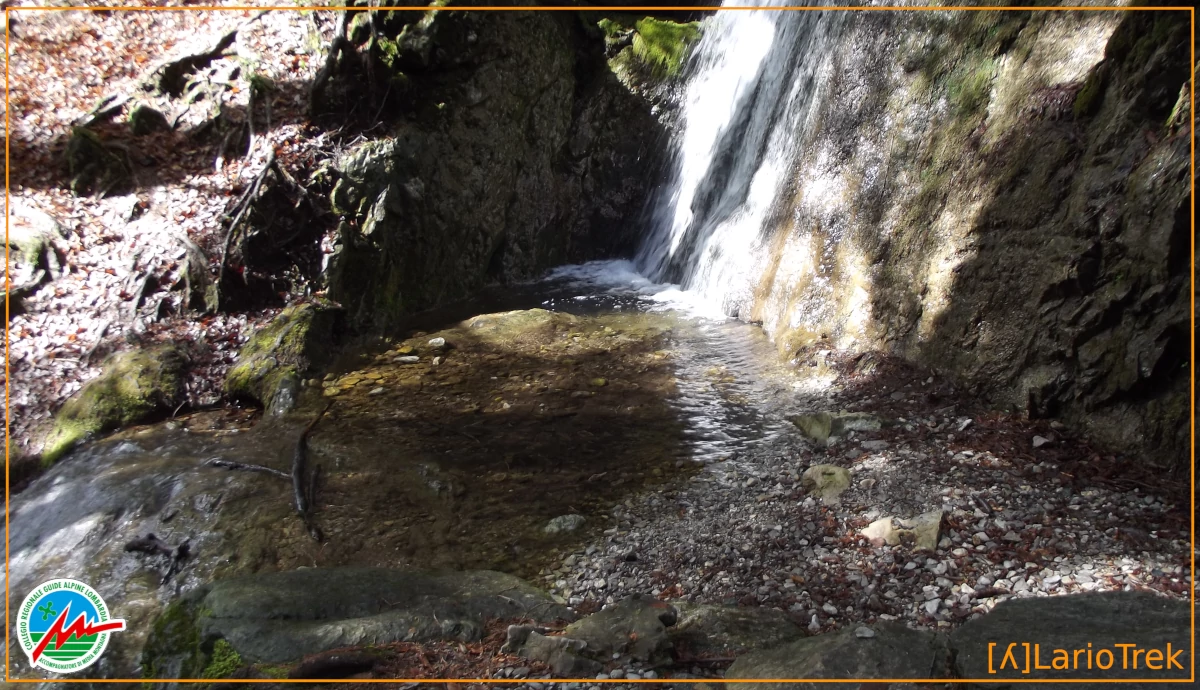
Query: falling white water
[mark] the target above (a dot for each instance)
(747, 103)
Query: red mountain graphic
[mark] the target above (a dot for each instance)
(79, 629)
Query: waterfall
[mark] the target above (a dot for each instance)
(750, 89)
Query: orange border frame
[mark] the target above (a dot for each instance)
(613, 9)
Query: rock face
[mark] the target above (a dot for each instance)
(281, 617)
(513, 148)
(135, 385)
(271, 365)
(1003, 196)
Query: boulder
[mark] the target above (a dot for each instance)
(705, 629)
(1098, 621)
(823, 427)
(564, 523)
(295, 344)
(635, 628)
(134, 386)
(893, 652)
(284, 616)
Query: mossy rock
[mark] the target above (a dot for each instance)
(135, 385)
(94, 168)
(146, 120)
(174, 647)
(295, 343)
(659, 46)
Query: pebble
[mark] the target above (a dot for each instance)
(864, 632)
(1039, 441)
(407, 359)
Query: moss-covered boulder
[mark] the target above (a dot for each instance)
(301, 339)
(144, 119)
(135, 386)
(94, 167)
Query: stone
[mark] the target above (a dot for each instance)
(923, 530)
(562, 654)
(1101, 620)
(134, 386)
(290, 347)
(283, 616)
(827, 482)
(437, 343)
(144, 119)
(1039, 441)
(893, 652)
(820, 427)
(721, 630)
(873, 445)
(564, 523)
(407, 359)
(635, 627)
(863, 631)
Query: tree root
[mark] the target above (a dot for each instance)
(339, 45)
(304, 482)
(152, 545)
(231, 465)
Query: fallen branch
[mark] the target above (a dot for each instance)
(301, 479)
(231, 465)
(339, 45)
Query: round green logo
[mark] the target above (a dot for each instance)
(63, 625)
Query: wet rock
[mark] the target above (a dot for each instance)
(825, 481)
(635, 627)
(893, 652)
(135, 385)
(1100, 620)
(706, 628)
(280, 617)
(279, 355)
(564, 523)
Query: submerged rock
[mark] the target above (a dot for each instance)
(564, 523)
(281, 617)
(135, 385)
(278, 356)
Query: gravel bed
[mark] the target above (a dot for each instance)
(1019, 521)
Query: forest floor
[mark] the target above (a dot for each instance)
(115, 274)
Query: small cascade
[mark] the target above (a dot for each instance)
(749, 99)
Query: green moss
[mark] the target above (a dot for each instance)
(970, 86)
(663, 45)
(291, 345)
(223, 661)
(1087, 101)
(135, 384)
(173, 647)
(273, 670)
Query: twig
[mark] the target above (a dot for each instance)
(299, 488)
(242, 206)
(231, 465)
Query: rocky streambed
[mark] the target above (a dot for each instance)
(626, 458)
